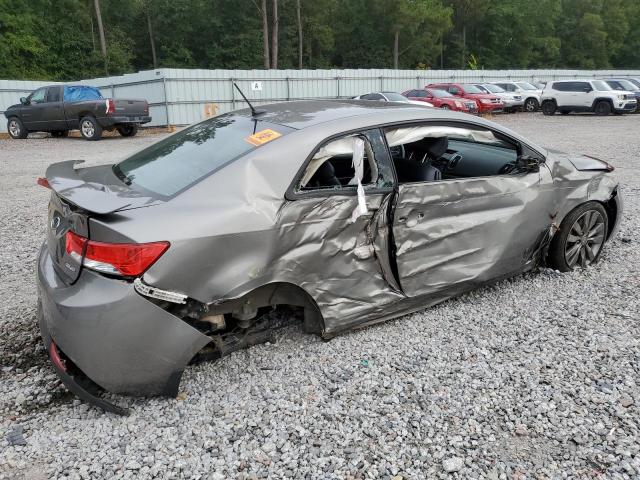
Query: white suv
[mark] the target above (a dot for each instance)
(597, 96)
(530, 93)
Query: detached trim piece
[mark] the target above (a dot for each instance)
(157, 293)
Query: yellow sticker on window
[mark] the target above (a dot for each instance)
(262, 137)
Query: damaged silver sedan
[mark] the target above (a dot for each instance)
(349, 212)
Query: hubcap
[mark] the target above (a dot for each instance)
(585, 239)
(14, 128)
(87, 128)
(530, 106)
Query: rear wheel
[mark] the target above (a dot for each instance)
(16, 128)
(60, 133)
(90, 129)
(128, 130)
(549, 107)
(531, 105)
(580, 239)
(602, 108)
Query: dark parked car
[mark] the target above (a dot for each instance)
(60, 108)
(349, 212)
(625, 85)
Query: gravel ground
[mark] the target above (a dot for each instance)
(535, 377)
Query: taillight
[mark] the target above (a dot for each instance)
(43, 182)
(124, 259)
(111, 106)
(146, 107)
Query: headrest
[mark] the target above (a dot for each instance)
(435, 146)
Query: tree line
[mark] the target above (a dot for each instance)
(74, 39)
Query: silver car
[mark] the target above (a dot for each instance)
(337, 213)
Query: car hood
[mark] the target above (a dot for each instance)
(94, 189)
(583, 163)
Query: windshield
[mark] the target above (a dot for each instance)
(395, 97)
(175, 163)
(482, 88)
(526, 86)
(627, 85)
(494, 88)
(439, 93)
(471, 89)
(601, 86)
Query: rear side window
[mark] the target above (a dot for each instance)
(77, 94)
(560, 86)
(179, 161)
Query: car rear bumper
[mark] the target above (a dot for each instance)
(114, 336)
(119, 120)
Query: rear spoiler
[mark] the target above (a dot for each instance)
(100, 198)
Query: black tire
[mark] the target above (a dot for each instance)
(602, 108)
(531, 105)
(549, 107)
(444, 106)
(60, 133)
(128, 130)
(16, 128)
(589, 243)
(90, 129)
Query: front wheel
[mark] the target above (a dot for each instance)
(445, 107)
(90, 129)
(16, 128)
(549, 108)
(579, 241)
(128, 130)
(531, 105)
(602, 108)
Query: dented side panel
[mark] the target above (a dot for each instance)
(468, 231)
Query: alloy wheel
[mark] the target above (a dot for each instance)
(530, 105)
(14, 128)
(585, 239)
(88, 129)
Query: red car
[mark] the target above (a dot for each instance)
(442, 99)
(487, 103)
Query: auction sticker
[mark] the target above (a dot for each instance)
(262, 137)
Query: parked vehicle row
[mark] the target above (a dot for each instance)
(60, 108)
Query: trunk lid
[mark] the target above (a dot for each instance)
(79, 195)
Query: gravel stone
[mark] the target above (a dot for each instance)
(454, 464)
(447, 387)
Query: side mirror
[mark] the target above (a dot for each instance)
(24, 101)
(526, 163)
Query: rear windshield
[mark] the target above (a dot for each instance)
(394, 97)
(177, 162)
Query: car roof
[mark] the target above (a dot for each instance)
(301, 114)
